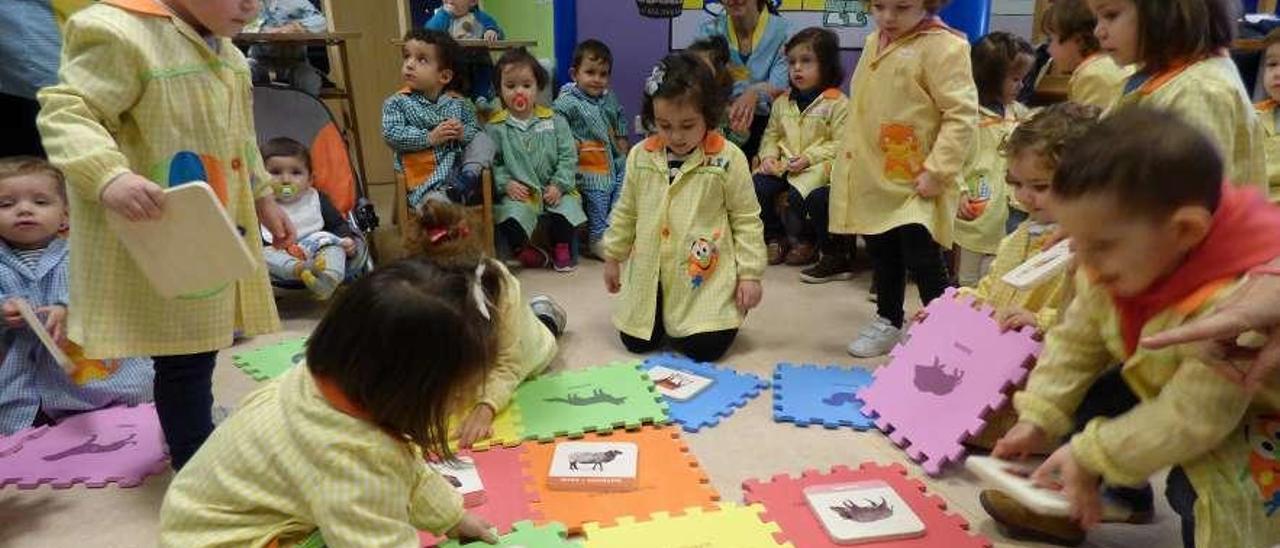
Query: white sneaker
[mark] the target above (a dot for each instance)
(548, 310)
(876, 339)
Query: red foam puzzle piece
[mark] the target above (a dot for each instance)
(509, 495)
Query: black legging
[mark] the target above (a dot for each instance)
(905, 249)
(184, 402)
(559, 231)
(703, 347)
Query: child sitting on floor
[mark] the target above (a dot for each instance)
(526, 333)
(598, 124)
(535, 166)
(288, 62)
(1160, 240)
(34, 389)
(687, 224)
(335, 446)
(429, 128)
(1001, 62)
(328, 250)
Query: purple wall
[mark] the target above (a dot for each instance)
(637, 44)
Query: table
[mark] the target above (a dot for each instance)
(492, 46)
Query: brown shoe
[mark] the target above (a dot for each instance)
(804, 253)
(776, 251)
(1021, 523)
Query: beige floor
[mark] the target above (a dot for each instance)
(796, 323)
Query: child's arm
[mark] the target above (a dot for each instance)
(510, 368)
(438, 21)
(619, 119)
(399, 133)
(566, 172)
(825, 149)
(621, 234)
(461, 110)
(949, 75)
(772, 137)
(489, 23)
(744, 220)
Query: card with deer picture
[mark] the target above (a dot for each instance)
(594, 466)
(678, 384)
(864, 511)
(464, 477)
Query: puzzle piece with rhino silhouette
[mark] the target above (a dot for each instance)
(954, 369)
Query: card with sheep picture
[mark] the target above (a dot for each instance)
(594, 466)
(463, 475)
(862, 512)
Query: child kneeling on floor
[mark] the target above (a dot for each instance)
(328, 249)
(1160, 239)
(336, 444)
(526, 333)
(34, 389)
(688, 223)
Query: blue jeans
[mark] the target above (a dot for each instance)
(598, 204)
(184, 402)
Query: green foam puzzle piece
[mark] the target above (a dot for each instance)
(271, 361)
(598, 399)
(525, 534)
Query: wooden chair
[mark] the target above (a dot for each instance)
(481, 214)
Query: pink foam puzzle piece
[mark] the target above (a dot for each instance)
(509, 496)
(784, 502)
(121, 445)
(952, 371)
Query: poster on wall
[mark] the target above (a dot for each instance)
(849, 19)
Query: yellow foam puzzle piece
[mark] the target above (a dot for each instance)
(731, 526)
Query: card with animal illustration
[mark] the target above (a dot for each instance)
(678, 384)
(594, 466)
(1014, 478)
(864, 511)
(464, 477)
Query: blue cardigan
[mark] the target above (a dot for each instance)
(441, 20)
(766, 63)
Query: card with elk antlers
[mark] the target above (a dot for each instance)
(864, 511)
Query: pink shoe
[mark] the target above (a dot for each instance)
(532, 257)
(563, 258)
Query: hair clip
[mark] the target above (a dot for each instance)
(655, 79)
(439, 234)
(477, 291)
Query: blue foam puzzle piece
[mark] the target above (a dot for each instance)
(810, 394)
(730, 391)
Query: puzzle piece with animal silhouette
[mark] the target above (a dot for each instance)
(668, 478)
(571, 403)
(509, 493)
(729, 391)
(954, 369)
(727, 526)
(785, 503)
(524, 535)
(271, 361)
(811, 394)
(121, 445)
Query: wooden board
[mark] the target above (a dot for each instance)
(46, 339)
(193, 248)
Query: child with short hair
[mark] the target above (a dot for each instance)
(526, 332)
(334, 447)
(154, 94)
(1180, 47)
(796, 151)
(428, 127)
(464, 20)
(688, 223)
(288, 62)
(1001, 62)
(1160, 240)
(328, 249)
(536, 164)
(34, 389)
(911, 126)
(714, 51)
(1267, 111)
(1095, 77)
(598, 124)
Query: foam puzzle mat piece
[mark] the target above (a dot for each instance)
(729, 391)
(509, 495)
(595, 399)
(506, 430)
(811, 394)
(728, 526)
(271, 361)
(785, 504)
(670, 479)
(121, 445)
(525, 535)
(950, 374)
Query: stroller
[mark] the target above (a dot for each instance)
(286, 112)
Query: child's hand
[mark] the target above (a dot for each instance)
(277, 222)
(798, 164)
(1078, 484)
(491, 35)
(473, 527)
(348, 246)
(927, 186)
(748, 295)
(517, 191)
(134, 197)
(921, 315)
(551, 196)
(448, 130)
(1020, 441)
(477, 426)
(612, 275)
(1014, 318)
(55, 321)
(12, 317)
(291, 27)
(769, 166)
(965, 211)
(623, 144)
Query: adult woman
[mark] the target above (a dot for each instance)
(756, 34)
